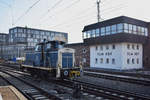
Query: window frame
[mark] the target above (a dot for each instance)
(103, 31)
(101, 60)
(96, 61)
(126, 27)
(113, 46)
(128, 61)
(113, 61)
(113, 29)
(120, 29)
(108, 30)
(107, 60)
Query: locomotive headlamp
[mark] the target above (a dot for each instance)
(65, 72)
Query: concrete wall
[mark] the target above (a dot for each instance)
(132, 54)
(106, 54)
(120, 54)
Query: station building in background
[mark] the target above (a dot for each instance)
(117, 43)
(3, 37)
(21, 39)
(32, 36)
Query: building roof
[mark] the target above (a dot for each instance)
(13, 43)
(37, 29)
(3, 34)
(116, 38)
(74, 44)
(120, 19)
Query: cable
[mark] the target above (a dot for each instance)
(69, 6)
(57, 3)
(27, 11)
(104, 11)
(87, 10)
(5, 4)
(84, 11)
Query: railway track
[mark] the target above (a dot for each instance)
(107, 92)
(122, 78)
(99, 91)
(119, 78)
(61, 90)
(137, 75)
(112, 75)
(29, 90)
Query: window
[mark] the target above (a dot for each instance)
(132, 61)
(126, 28)
(95, 60)
(142, 30)
(107, 30)
(84, 35)
(42, 32)
(23, 35)
(97, 32)
(133, 46)
(137, 47)
(119, 28)
(84, 50)
(15, 34)
(19, 34)
(11, 31)
(107, 60)
(89, 34)
(130, 28)
(113, 46)
(96, 48)
(113, 29)
(101, 60)
(15, 30)
(107, 47)
(139, 30)
(146, 32)
(113, 61)
(102, 31)
(31, 35)
(84, 60)
(37, 32)
(137, 61)
(101, 47)
(128, 46)
(20, 30)
(28, 31)
(134, 29)
(93, 33)
(128, 61)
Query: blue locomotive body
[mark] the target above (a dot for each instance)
(51, 58)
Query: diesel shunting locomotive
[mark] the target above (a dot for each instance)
(51, 59)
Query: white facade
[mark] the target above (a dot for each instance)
(117, 56)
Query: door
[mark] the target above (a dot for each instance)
(67, 60)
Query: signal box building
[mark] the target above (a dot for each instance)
(118, 43)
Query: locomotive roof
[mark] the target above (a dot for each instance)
(60, 42)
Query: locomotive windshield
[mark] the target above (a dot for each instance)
(38, 47)
(48, 46)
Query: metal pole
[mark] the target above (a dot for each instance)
(98, 10)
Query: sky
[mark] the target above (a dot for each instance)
(68, 16)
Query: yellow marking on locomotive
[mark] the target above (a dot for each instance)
(74, 73)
